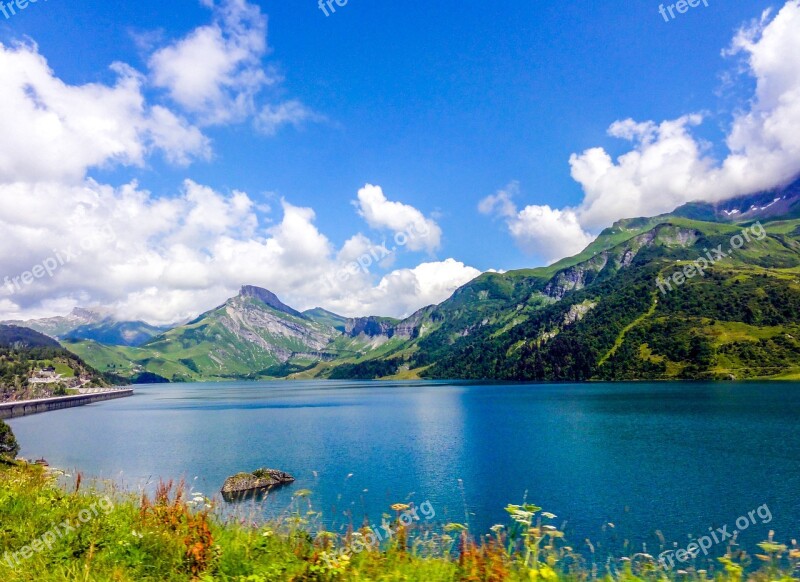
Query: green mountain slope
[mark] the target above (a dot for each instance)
(253, 335)
(600, 315)
(326, 317)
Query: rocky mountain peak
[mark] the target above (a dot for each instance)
(86, 314)
(268, 298)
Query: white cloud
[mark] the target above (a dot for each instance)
(501, 203)
(541, 231)
(215, 72)
(273, 117)
(381, 213)
(167, 259)
(432, 283)
(50, 130)
(667, 165)
(665, 169)
(404, 291)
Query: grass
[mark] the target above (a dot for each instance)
(783, 226)
(627, 328)
(63, 369)
(792, 375)
(725, 332)
(83, 533)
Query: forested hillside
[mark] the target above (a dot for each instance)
(602, 315)
(706, 292)
(25, 353)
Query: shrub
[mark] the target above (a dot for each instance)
(9, 448)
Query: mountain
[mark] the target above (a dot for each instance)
(115, 333)
(15, 336)
(61, 325)
(778, 203)
(326, 317)
(93, 324)
(251, 335)
(619, 310)
(269, 299)
(600, 315)
(24, 351)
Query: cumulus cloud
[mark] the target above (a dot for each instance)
(215, 72)
(541, 231)
(664, 170)
(167, 259)
(382, 213)
(427, 283)
(407, 290)
(667, 165)
(50, 130)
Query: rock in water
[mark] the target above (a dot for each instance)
(260, 480)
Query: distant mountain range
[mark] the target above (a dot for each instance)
(253, 335)
(93, 324)
(598, 315)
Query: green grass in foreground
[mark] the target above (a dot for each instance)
(91, 535)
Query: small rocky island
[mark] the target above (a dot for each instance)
(246, 484)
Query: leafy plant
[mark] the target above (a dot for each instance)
(9, 448)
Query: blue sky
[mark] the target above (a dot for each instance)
(440, 104)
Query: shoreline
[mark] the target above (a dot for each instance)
(17, 409)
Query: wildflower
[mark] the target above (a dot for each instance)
(545, 573)
(336, 561)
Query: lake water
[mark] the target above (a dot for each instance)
(679, 458)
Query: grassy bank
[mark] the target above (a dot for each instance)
(49, 533)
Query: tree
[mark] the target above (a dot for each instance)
(8, 443)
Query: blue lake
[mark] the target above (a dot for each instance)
(679, 458)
